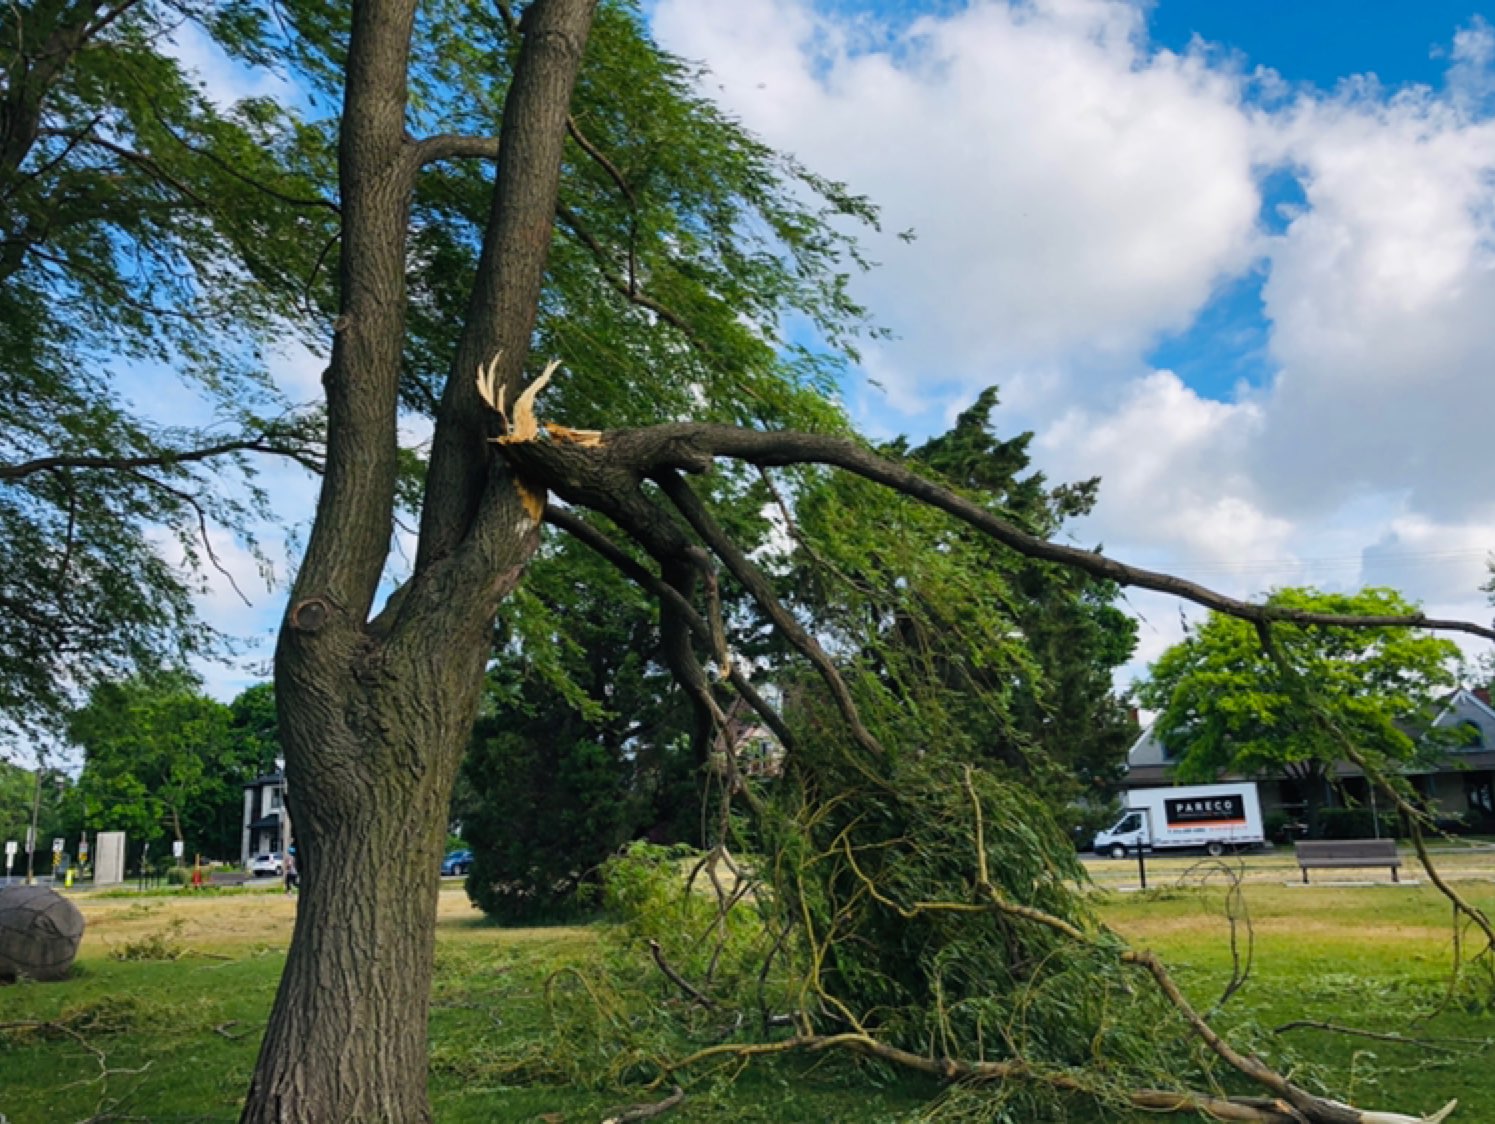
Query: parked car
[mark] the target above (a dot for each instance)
(266, 866)
(457, 862)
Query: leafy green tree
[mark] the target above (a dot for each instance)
(1224, 706)
(46, 791)
(1069, 712)
(254, 727)
(1008, 656)
(144, 232)
(162, 762)
(581, 744)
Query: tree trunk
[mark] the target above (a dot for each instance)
(347, 1038)
(376, 710)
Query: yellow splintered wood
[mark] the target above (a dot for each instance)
(589, 438)
(524, 425)
(533, 499)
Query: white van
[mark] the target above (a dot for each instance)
(1211, 817)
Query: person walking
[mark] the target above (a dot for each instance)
(293, 879)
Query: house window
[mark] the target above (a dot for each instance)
(1470, 736)
(275, 798)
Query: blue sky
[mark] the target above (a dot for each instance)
(1235, 258)
(1321, 41)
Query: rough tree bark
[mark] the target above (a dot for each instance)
(376, 710)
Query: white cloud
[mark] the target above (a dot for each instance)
(1379, 296)
(1077, 192)
(223, 80)
(1068, 189)
(1171, 465)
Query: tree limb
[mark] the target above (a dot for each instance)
(630, 1114)
(584, 532)
(257, 444)
(451, 146)
(758, 586)
(690, 447)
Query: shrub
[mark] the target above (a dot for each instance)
(1354, 823)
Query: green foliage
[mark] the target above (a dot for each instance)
(673, 895)
(1223, 704)
(146, 234)
(962, 644)
(255, 727)
(864, 912)
(579, 744)
(685, 279)
(1355, 823)
(18, 793)
(163, 761)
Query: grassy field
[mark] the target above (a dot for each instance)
(171, 992)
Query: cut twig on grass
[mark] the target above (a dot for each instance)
(629, 1114)
(1238, 917)
(1443, 1045)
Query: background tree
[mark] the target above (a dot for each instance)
(583, 742)
(1223, 705)
(1008, 656)
(164, 762)
(254, 727)
(19, 795)
(145, 234)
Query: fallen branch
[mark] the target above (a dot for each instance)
(677, 979)
(1439, 1044)
(630, 1113)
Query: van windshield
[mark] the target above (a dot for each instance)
(1130, 822)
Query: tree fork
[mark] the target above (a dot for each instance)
(376, 714)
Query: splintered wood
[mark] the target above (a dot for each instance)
(524, 425)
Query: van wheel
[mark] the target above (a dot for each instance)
(1118, 851)
(1215, 849)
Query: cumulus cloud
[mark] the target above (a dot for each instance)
(1068, 189)
(1379, 297)
(1172, 463)
(1078, 192)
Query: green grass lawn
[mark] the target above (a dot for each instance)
(178, 1036)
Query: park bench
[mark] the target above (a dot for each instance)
(227, 878)
(1327, 853)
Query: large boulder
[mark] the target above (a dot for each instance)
(39, 933)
